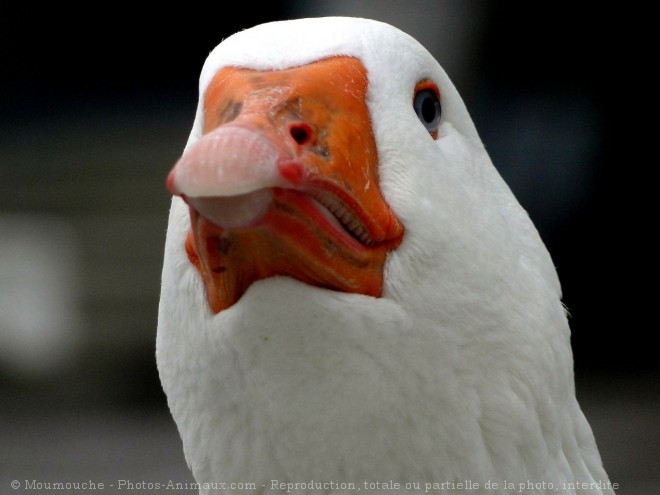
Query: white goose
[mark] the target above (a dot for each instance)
(351, 294)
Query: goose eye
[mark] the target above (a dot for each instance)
(427, 106)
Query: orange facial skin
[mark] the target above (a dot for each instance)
(329, 226)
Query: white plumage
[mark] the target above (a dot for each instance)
(461, 371)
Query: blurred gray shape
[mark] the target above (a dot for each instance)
(40, 320)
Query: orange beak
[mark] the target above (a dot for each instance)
(285, 182)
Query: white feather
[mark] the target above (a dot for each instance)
(461, 371)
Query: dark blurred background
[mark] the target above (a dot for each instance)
(96, 106)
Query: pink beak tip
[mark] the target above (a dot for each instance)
(169, 183)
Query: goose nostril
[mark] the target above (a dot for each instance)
(301, 133)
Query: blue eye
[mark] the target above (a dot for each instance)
(428, 109)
